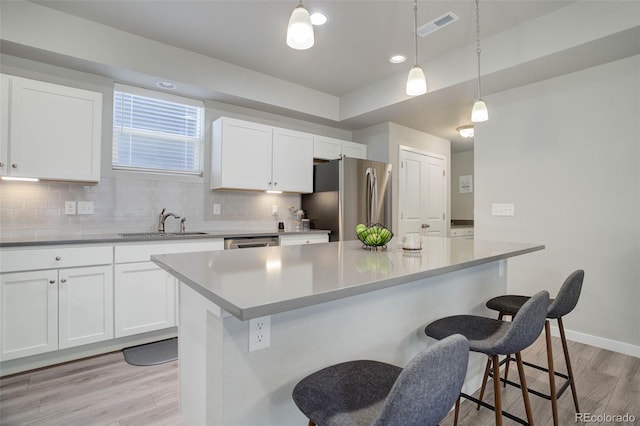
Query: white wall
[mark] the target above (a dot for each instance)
(461, 204)
(566, 152)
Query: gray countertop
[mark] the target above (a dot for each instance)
(254, 282)
(114, 238)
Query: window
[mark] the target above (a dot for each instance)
(156, 132)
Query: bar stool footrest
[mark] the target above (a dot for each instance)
(560, 390)
(492, 408)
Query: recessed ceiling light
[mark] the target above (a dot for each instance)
(166, 85)
(318, 19)
(397, 59)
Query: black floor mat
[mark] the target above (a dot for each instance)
(152, 353)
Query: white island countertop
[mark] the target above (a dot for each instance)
(255, 282)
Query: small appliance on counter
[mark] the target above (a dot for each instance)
(347, 192)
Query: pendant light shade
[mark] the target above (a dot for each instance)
(479, 112)
(300, 29)
(416, 82)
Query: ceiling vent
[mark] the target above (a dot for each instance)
(438, 23)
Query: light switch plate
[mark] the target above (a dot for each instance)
(503, 209)
(85, 207)
(216, 208)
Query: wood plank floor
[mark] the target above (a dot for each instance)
(105, 390)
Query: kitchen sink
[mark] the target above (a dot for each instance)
(151, 235)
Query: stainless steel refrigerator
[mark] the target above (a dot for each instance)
(347, 192)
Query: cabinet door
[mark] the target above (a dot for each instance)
(292, 161)
(326, 148)
(4, 124)
(241, 155)
(85, 305)
(354, 150)
(29, 313)
(144, 298)
(55, 131)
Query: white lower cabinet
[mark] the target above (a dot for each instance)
(145, 298)
(145, 295)
(54, 309)
(294, 240)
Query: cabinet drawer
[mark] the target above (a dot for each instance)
(12, 260)
(143, 251)
(461, 232)
(286, 240)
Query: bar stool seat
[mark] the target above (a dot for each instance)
(563, 304)
(495, 337)
(367, 392)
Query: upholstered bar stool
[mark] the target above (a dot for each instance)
(380, 394)
(496, 337)
(563, 304)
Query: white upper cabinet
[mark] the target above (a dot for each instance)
(292, 161)
(54, 131)
(4, 124)
(252, 156)
(325, 148)
(354, 150)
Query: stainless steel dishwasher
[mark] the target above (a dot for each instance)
(249, 242)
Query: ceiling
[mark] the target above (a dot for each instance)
(351, 50)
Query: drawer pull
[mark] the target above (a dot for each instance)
(58, 258)
(14, 165)
(52, 281)
(63, 280)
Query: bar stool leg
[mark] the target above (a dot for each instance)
(568, 362)
(552, 377)
(311, 423)
(455, 416)
(484, 381)
(525, 391)
(496, 389)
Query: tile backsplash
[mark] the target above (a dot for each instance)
(36, 209)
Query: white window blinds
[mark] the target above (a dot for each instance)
(156, 132)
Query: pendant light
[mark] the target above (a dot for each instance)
(416, 82)
(479, 112)
(300, 29)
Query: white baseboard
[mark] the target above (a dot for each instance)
(599, 342)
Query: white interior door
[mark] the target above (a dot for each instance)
(422, 194)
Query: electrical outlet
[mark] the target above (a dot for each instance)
(259, 333)
(216, 208)
(85, 207)
(503, 209)
(274, 210)
(69, 208)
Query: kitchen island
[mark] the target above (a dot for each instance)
(324, 304)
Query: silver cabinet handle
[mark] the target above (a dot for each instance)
(275, 183)
(425, 225)
(52, 281)
(58, 258)
(14, 165)
(63, 280)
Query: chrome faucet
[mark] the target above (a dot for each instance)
(163, 217)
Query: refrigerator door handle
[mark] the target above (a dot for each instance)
(372, 195)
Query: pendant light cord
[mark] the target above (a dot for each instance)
(478, 42)
(415, 29)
